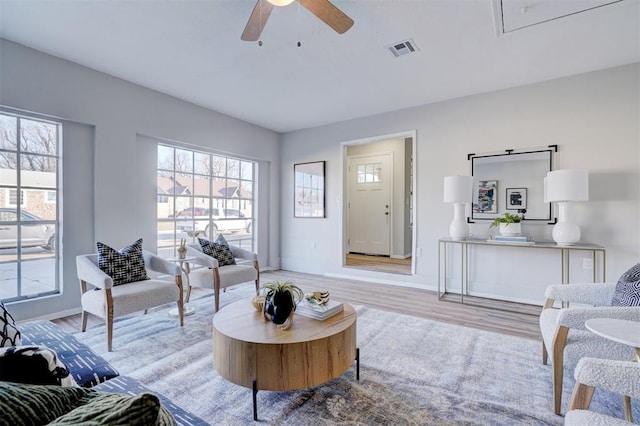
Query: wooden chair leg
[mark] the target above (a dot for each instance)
(257, 266)
(188, 293)
(216, 288)
(581, 396)
(545, 355)
(559, 342)
(180, 301)
(84, 321)
(109, 318)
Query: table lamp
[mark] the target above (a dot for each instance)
(457, 190)
(563, 187)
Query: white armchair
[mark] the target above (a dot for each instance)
(211, 275)
(622, 377)
(564, 336)
(104, 300)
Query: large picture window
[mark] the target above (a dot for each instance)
(201, 194)
(29, 166)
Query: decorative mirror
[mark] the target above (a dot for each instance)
(511, 182)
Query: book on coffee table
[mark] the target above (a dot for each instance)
(319, 312)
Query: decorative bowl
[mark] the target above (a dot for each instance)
(258, 302)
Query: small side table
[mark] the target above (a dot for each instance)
(620, 331)
(186, 310)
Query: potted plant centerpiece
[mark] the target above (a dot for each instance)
(280, 303)
(509, 224)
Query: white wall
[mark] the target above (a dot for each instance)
(594, 118)
(126, 118)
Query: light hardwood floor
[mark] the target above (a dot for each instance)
(404, 300)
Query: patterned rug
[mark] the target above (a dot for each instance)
(413, 372)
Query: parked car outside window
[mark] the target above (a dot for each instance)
(33, 234)
(224, 221)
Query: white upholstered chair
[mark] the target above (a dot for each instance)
(104, 300)
(209, 274)
(564, 336)
(622, 377)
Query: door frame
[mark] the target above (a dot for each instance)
(343, 185)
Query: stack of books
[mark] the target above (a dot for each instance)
(319, 312)
(520, 239)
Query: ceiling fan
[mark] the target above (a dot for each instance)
(323, 9)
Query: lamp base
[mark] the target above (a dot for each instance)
(458, 230)
(565, 233)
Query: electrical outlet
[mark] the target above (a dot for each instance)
(419, 252)
(587, 263)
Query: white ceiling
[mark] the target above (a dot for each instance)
(191, 49)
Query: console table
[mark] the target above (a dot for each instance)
(598, 253)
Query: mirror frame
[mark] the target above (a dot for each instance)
(500, 186)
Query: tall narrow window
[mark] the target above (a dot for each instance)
(29, 165)
(200, 194)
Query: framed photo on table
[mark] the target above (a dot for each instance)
(516, 198)
(309, 189)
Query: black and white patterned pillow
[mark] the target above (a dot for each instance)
(35, 365)
(9, 333)
(124, 266)
(221, 252)
(628, 288)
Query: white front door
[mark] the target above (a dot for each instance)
(369, 204)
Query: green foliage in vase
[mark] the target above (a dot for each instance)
(506, 218)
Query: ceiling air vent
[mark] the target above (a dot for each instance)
(403, 47)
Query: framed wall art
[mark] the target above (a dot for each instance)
(309, 189)
(486, 199)
(516, 198)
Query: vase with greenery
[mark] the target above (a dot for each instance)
(509, 224)
(280, 303)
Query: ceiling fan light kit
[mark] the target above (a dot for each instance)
(322, 9)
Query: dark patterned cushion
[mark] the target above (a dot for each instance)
(9, 333)
(124, 266)
(86, 367)
(36, 365)
(38, 404)
(130, 386)
(221, 252)
(628, 288)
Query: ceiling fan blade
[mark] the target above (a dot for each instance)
(257, 21)
(329, 14)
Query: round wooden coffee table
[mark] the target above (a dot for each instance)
(254, 353)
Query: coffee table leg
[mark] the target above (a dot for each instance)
(255, 402)
(358, 364)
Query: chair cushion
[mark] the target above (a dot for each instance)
(87, 368)
(218, 249)
(36, 365)
(628, 288)
(124, 266)
(229, 275)
(132, 297)
(9, 333)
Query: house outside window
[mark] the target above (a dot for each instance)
(29, 217)
(203, 195)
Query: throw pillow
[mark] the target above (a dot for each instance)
(37, 405)
(36, 365)
(114, 409)
(222, 240)
(628, 288)
(221, 252)
(124, 266)
(9, 333)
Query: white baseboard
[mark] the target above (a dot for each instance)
(53, 316)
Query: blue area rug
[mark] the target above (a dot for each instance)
(413, 372)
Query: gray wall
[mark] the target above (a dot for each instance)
(125, 119)
(593, 117)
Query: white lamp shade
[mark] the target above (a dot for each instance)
(458, 189)
(567, 185)
(280, 2)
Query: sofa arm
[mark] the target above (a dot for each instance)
(201, 259)
(575, 317)
(90, 273)
(598, 294)
(160, 265)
